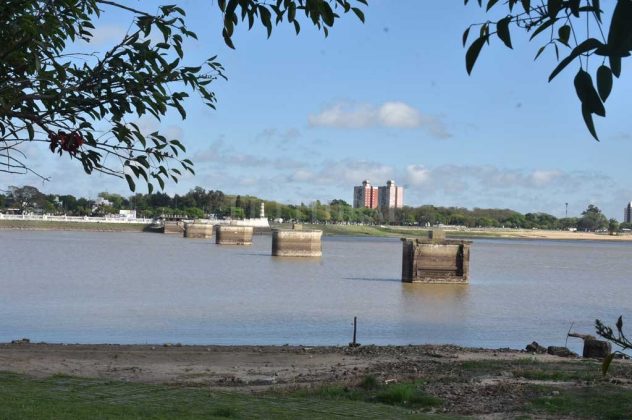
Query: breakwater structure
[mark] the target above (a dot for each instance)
(197, 230)
(435, 259)
(296, 242)
(234, 235)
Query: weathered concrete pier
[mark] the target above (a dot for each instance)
(173, 227)
(297, 242)
(234, 235)
(198, 230)
(435, 259)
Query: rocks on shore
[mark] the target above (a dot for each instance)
(534, 347)
(561, 351)
(596, 348)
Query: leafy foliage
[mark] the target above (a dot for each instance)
(562, 22)
(617, 338)
(84, 106)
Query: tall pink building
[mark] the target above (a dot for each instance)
(365, 196)
(391, 196)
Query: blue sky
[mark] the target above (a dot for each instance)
(306, 118)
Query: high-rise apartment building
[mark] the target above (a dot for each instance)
(387, 197)
(365, 195)
(627, 213)
(391, 196)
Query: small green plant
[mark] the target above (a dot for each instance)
(369, 382)
(223, 411)
(410, 395)
(618, 339)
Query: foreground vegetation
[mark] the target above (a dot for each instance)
(75, 398)
(438, 389)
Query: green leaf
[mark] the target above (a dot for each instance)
(620, 323)
(587, 45)
(574, 7)
(588, 120)
(472, 53)
(606, 363)
(130, 182)
(553, 7)
(540, 51)
(542, 27)
(620, 33)
(502, 30)
(327, 14)
(291, 12)
(615, 65)
(604, 82)
(526, 5)
(491, 4)
(358, 13)
(266, 19)
(564, 34)
(29, 128)
(587, 93)
(465, 35)
(597, 9)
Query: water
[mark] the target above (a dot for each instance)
(79, 287)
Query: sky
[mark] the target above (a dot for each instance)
(304, 118)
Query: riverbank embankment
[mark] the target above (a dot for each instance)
(465, 233)
(435, 379)
(384, 231)
(73, 226)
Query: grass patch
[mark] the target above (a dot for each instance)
(63, 397)
(604, 402)
(409, 395)
(558, 375)
(563, 371)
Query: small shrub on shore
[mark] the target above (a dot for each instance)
(369, 383)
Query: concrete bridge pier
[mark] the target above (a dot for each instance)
(173, 227)
(435, 260)
(297, 243)
(198, 230)
(234, 235)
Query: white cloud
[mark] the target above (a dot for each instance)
(417, 175)
(342, 115)
(392, 114)
(541, 178)
(400, 115)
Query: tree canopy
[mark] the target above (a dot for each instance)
(85, 106)
(574, 30)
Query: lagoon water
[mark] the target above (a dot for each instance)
(82, 287)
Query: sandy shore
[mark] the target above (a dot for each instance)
(485, 383)
(235, 366)
(541, 234)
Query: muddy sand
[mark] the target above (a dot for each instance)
(279, 368)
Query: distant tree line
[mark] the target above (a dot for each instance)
(201, 203)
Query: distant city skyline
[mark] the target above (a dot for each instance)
(304, 118)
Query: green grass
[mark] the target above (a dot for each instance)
(408, 394)
(62, 397)
(581, 370)
(84, 226)
(603, 402)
